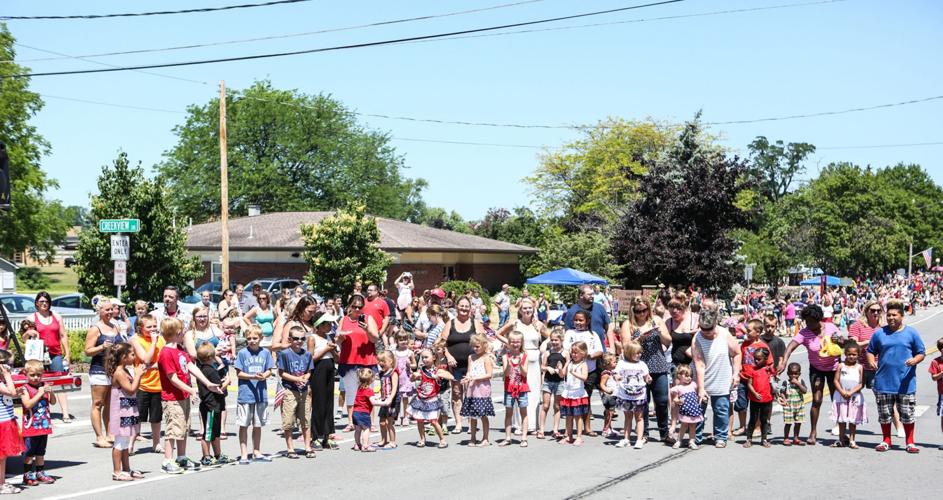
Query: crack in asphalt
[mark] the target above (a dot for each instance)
(628, 475)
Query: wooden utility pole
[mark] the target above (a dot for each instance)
(223, 185)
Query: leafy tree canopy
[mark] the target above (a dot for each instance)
(32, 223)
(774, 166)
(342, 249)
(286, 151)
(158, 252)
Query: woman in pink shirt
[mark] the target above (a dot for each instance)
(821, 368)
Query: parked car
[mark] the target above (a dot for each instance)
(72, 300)
(273, 285)
(25, 304)
(69, 261)
(197, 297)
(213, 286)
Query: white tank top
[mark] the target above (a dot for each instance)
(718, 370)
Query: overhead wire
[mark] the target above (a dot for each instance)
(291, 35)
(343, 47)
(156, 13)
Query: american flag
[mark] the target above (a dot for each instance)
(927, 256)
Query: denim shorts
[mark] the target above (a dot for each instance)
(554, 388)
(361, 419)
(520, 401)
(742, 402)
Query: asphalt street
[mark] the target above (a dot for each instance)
(545, 469)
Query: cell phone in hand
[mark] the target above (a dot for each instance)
(361, 319)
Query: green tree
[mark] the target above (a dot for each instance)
(439, 218)
(33, 223)
(679, 229)
(286, 151)
(342, 249)
(158, 252)
(774, 166)
(593, 180)
(74, 215)
(520, 226)
(588, 251)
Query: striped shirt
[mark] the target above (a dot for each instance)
(718, 368)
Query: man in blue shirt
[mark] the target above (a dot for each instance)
(599, 318)
(898, 350)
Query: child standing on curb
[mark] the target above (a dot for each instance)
(37, 424)
(253, 366)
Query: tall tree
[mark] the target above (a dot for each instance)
(342, 249)
(158, 252)
(286, 151)
(678, 230)
(593, 180)
(439, 218)
(521, 226)
(774, 166)
(588, 251)
(33, 224)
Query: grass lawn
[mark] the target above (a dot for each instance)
(62, 280)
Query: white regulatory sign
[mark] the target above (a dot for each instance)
(120, 247)
(121, 273)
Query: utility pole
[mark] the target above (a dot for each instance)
(223, 186)
(910, 259)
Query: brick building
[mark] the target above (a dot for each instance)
(270, 245)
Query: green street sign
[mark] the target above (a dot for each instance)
(119, 225)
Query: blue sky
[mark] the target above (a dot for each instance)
(736, 66)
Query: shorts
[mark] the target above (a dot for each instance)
(361, 419)
(212, 424)
(520, 401)
(793, 413)
(176, 419)
(742, 403)
(350, 383)
(56, 363)
(296, 406)
(553, 388)
(445, 400)
(609, 401)
(906, 407)
(252, 414)
(149, 407)
(459, 372)
(391, 411)
(790, 323)
(829, 376)
(632, 406)
(868, 378)
(939, 406)
(35, 445)
(98, 379)
(122, 443)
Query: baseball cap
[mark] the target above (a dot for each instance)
(438, 292)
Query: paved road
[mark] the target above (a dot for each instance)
(545, 469)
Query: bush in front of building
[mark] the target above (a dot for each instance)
(32, 278)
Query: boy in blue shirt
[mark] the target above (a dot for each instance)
(253, 366)
(294, 366)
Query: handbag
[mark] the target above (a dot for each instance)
(829, 349)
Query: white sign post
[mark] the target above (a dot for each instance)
(120, 253)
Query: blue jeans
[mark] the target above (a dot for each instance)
(720, 405)
(503, 317)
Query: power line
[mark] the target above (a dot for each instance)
(644, 20)
(291, 35)
(157, 13)
(344, 47)
(180, 78)
(441, 141)
(827, 113)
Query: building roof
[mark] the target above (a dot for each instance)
(280, 231)
(9, 265)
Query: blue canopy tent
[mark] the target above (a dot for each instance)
(829, 281)
(567, 276)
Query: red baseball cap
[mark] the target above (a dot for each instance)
(438, 292)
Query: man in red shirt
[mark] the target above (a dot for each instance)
(375, 307)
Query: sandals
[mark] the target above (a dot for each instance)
(420, 444)
(838, 444)
(720, 444)
(442, 445)
(9, 489)
(798, 442)
(747, 443)
(882, 447)
(310, 454)
(292, 455)
(504, 442)
(766, 443)
(811, 441)
(852, 445)
(121, 476)
(912, 449)
(136, 474)
(557, 435)
(524, 444)
(368, 449)
(540, 435)
(787, 442)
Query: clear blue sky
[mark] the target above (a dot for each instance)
(736, 66)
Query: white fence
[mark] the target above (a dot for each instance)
(73, 321)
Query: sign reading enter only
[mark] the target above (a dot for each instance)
(120, 247)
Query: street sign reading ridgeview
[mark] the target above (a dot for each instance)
(119, 225)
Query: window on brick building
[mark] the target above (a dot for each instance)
(448, 273)
(216, 272)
